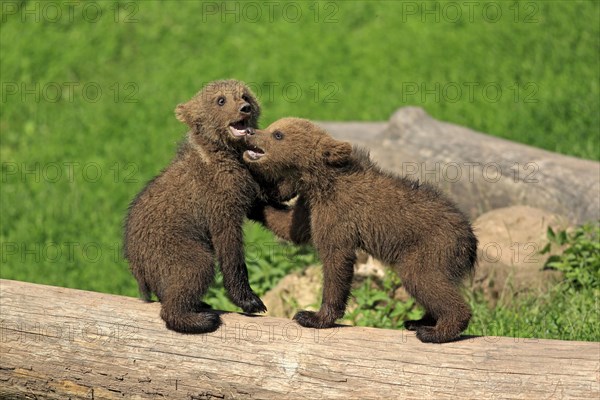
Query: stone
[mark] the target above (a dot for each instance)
(510, 241)
(295, 291)
(366, 266)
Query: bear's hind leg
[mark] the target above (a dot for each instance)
(413, 325)
(188, 318)
(443, 303)
(189, 277)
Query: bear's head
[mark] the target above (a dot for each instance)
(221, 112)
(293, 147)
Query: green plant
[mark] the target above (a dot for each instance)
(558, 314)
(580, 261)
(376, 305)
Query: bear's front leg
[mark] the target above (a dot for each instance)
(291, 223)
(228, 243)
(338, 270)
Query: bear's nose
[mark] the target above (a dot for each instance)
(246, 108)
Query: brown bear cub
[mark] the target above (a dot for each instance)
(192, 213)
(347, 203)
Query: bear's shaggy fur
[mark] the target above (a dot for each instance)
(192, 213)
(347, 203)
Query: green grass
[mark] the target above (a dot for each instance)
(563, 313)
(72, 159)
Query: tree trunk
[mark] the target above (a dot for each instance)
(59, 343)
(480, 172)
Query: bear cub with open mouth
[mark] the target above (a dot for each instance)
(346, 203)
(192, 213)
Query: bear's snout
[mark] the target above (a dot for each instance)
(246, 108)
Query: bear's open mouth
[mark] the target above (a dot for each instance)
(238, 129)
(254, 153)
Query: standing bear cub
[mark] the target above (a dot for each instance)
(347, 203)
(192, 213)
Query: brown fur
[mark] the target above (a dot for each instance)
(192, 213)
(347, 203)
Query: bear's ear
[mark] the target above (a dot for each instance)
(182, 114)
(334, 152)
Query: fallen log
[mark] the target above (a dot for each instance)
(480, 172)
(58, 343)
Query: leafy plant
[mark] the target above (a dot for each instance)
(377, 306)
(580, 261)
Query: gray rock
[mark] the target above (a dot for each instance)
(298, 290)
(510, 241)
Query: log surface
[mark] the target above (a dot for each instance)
(59, 343)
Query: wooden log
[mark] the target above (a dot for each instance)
(59, 343)
(480, 172)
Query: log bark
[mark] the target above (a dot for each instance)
(481, 172)
(59, 343)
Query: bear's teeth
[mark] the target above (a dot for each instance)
(237, 132)
(254, 155)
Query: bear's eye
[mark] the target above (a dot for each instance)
(278, 135)
(221, 100)
(246, 98)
